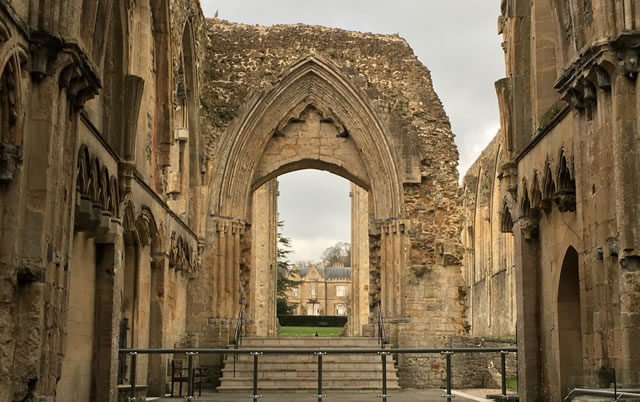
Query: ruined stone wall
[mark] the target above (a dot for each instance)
(488, 266)
(80, 189)
(244, 63)
(569, 134)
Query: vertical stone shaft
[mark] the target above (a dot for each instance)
(397, 268)
(222, 269)
(236, 269)
(627, 170)
(527, 262)
(229, 265)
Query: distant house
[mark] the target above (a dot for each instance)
(322, 291)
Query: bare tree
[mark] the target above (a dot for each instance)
(338, 254)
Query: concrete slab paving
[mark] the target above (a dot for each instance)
(405, 395)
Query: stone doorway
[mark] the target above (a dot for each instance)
(313, 119)
(569, 322)
(336, 296)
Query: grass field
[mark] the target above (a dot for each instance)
(310, 331)
(512, 384)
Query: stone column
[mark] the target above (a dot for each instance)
(229, 264)
(387, 261)
(109, 250)
(359, 292)
(264, 256)
(627, 171)
(528, 316)
(158, 319)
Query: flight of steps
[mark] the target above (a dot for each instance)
(300, 372)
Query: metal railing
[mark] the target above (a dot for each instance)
(583, 384)
(237, 337)
(319, 353)
(382, 338)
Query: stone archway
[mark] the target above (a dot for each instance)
(313, 117)
(569, 322)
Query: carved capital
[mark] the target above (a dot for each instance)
(125, 176)
(10, 158)
(628, 64)
(43, 52)
(565, 200)
(529, 226)
(509, 176)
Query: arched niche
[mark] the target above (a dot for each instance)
(569, 322)
(184, 172)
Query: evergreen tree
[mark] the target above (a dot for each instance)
(284, 274)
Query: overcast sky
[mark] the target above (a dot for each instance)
(456, 39)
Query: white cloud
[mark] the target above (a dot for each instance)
(310, 249)
(473, 147)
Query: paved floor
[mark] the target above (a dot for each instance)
(396, 396)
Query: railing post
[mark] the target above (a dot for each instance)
(190, 375)
(384, 394)
(615, 385)
(132, 376)
(255, 395)
(503, 368)
(448, 354)
(320, 395)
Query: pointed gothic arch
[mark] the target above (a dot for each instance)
(310, 82)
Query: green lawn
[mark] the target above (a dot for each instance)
(512, 384)
(310, 331)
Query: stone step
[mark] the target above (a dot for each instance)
(288, 366)
(311, 389)
(311, 342)
(297, 385)
(308, 358)
(299, 372)
(307, 373)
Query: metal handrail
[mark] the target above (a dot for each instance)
(319, 353)
(382, 339)
(619, 394)
(237, 337)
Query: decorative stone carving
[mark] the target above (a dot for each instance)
(576, 98)
(628, 64)
(506, 220)
(529, 227)
(43, 50)
(10, 158)
(182, 257)
(125, 175)
(509, 177)
(565, 200)
(80, 88)
(97, 199)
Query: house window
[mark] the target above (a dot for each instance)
(294, 291)
(313, 309)
(341, 291)
(313, 290)
(341, 309)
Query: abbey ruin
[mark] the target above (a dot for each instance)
(140, 148)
